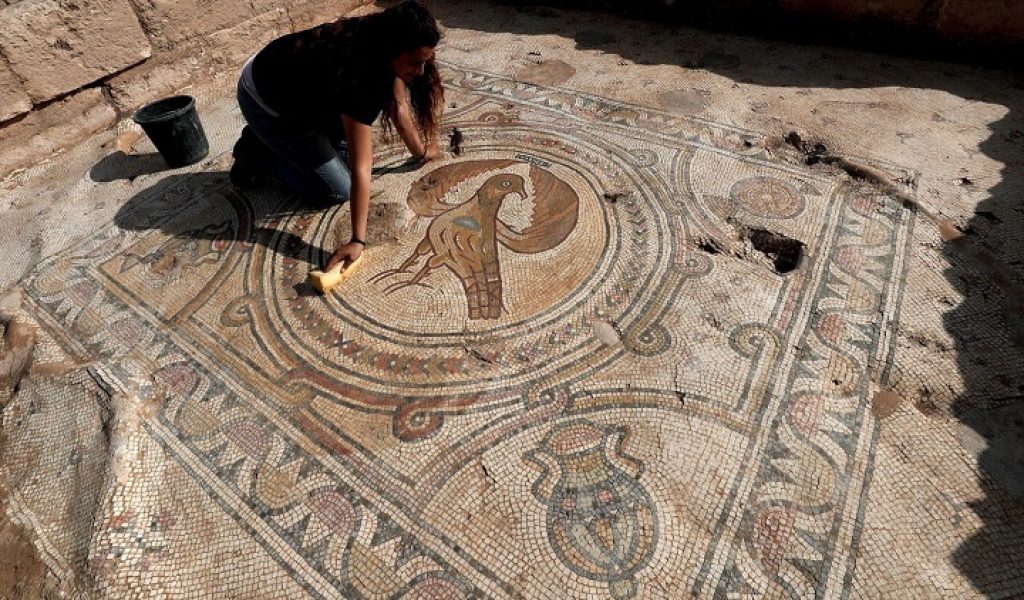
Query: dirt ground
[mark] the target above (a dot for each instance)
(22, 573)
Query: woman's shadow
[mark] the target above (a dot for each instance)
(180, 205)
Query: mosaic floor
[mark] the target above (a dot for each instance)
(566, 367)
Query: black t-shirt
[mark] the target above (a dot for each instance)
(313, 77)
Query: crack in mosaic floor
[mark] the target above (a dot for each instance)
(513, 395)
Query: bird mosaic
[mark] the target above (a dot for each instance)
(464, 235)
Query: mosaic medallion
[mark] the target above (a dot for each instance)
(767, 197)
(543, 380)
(512, 257)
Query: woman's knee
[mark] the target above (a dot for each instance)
(337, 180)
(340, 193)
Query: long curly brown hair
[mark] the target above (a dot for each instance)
(387, 34)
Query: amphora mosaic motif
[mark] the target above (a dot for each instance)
(602, 524)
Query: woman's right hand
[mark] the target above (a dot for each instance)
(347, 254)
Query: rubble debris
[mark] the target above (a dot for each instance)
(455, 143)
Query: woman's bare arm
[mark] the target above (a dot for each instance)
(360, 152)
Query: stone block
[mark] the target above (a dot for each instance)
(53, 127)
(13, 99)
(314, 12)
(56, 47)
(231, 47)
(162, 76)
(991, 21)
(902, 12)
(905, 12)
(219, 52)
(170, 22)
(842, 10)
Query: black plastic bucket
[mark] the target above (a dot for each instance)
(173, 125)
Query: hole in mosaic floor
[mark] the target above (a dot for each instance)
(784, 252)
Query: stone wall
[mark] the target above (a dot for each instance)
(991, 21)
(977, 23)
(69, 68)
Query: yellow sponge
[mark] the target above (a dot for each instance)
(324, 281)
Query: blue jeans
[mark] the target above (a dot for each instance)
(308, 162)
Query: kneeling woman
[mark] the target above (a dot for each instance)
(310, 97)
